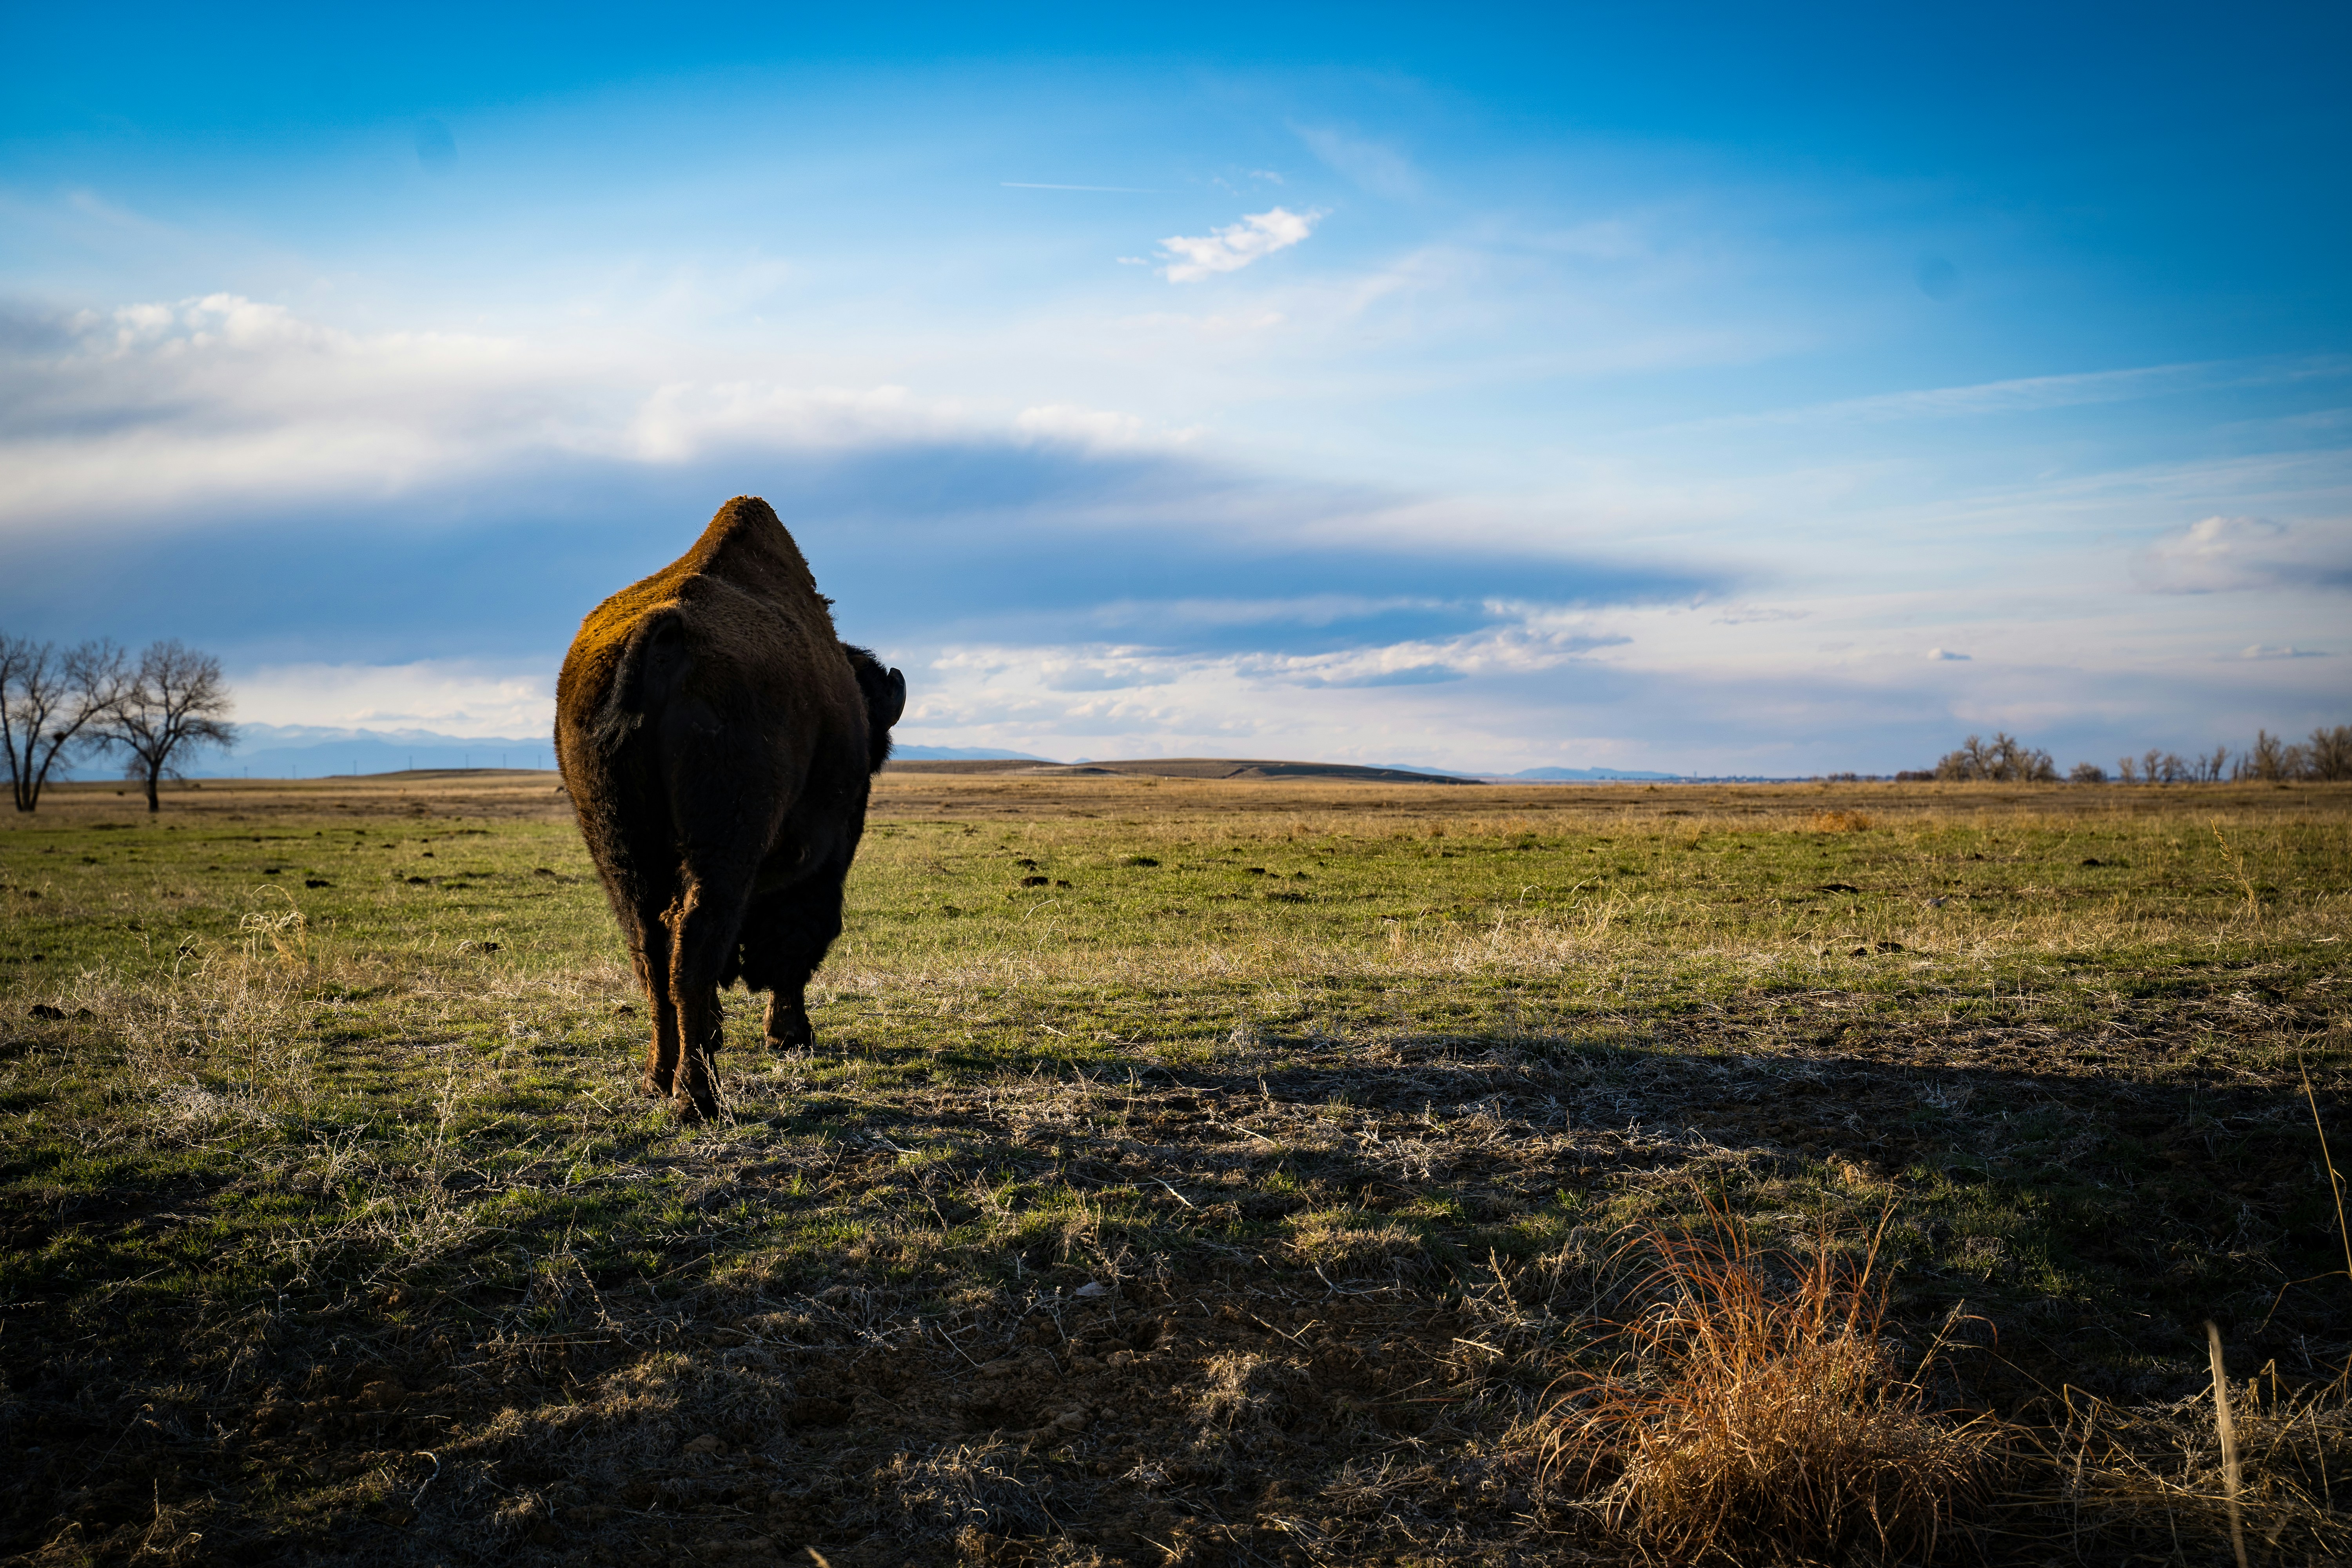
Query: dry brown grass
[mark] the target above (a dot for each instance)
(2160, 1475)
(2239, 1459)
(1841, 822)
(1758, 1412)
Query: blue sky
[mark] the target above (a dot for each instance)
(1482, 387)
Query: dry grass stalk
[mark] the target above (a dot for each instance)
(2335, 1184)
(2238, 866)
(1749, 1418)
(2229, 1435)
(1841, 822)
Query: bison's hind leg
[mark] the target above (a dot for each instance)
(706, 923)
(649, 949)
(784, 939)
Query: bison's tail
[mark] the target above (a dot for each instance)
(653, 662)
(618, 790)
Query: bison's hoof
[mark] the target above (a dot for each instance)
(791, 1032)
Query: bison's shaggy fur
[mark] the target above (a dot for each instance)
(719, 742)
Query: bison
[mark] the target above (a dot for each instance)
(719, 742)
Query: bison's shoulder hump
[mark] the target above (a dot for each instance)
(747, 545)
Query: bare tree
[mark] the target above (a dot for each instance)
(173, 705)
(2127, 770)
(2030, 763)
(2087, 773)
(2328, 754)
(48, 703)
(2268, 758)
(1971, 761)
(2007, 760)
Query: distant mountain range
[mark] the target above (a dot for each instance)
(316, 751)
(1549, 776)
(306, 751)
(1588, 774)
(961, 754)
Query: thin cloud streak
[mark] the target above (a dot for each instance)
(2032, 395)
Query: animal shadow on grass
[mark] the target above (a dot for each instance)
(2091, 1220)
(1219, 1304)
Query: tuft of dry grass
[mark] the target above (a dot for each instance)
(1757, 1411)
(1841, 822)
(1347, 1242)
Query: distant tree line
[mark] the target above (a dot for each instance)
(2005, 759)
(154, 712)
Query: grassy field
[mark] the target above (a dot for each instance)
(1186, 1171)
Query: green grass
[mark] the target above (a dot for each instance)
(344, 1096)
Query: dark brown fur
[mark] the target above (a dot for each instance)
(719, 742)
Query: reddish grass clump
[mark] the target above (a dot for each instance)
(1757, 1412)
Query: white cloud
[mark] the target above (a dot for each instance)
(450, 697)
(1946, 655)
(1309, 610)
(1234, 246)
(1099, 429)
(223, 398)
(2265, 651)
(683, 420)
(2225, 554)
(155, 411)
(2213, 554)
(981, 694)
